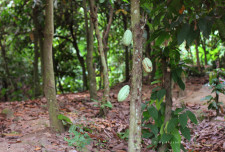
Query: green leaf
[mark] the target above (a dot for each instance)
(192, 117)
(154, 95)
(161, 93)
(153, 112)
(178, 110)
(181, 83)
(176, 140)
(162, 37)
(185, 132)
(154, 129)
(64, 118)
(172, 124)
(158, 104)
(182, 34)
(157, 81)
(146, 115)
(146, 134)
(183, 119)
(165, 138)
(205, 25)
(161, 129)
(209, 97)
(182, 147)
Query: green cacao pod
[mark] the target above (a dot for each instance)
(147, 65)
(127, 38)
(123, 93)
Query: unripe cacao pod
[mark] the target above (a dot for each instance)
(123, 93)
(127, 38)
(147, 65)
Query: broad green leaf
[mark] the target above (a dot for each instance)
(176, 140)
(158, 104)
(146, 115)
(183, 119)
(154, 129)
(161, 93)
(157, 81)
(192, 117)
(182, 34)
(209, 97)
(165, 138)
(181, 83)
(153, 112)
(178, 110)
(205, 25)
(162, 37)
(185, 132)
(161, 129)
(64, 118)
(172, 124)
(146, 134)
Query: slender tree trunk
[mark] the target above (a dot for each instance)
(6, 67)
(134, 143)
(80, 58)
(101, 50)
(153, 64)
(41, 41)
(167, 85)
(5, 85)
(89, 58)
(106, 32)
(36, 54)
(49, 84)
(204, 49)
(197, 56)
(127, 64)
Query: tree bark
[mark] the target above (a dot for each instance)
(101, 50)
(127, 64)
(36, 54)
(197, 55)
(49, 80)
(6, 67)
(167, 85)
(204, 49)
(106, 33)
(134, 143)
(89, 58)
(80, 58)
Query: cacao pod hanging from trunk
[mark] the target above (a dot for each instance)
(147, 65)
(123, 93)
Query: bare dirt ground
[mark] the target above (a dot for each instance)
(26, 129)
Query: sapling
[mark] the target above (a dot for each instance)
(218, 86)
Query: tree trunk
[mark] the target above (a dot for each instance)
(80, 58)
(197, 55)
(5, 85)
(101, 50)
(106, 32)
(127, 64)
(89, 58)
(134, 143)
(167, 85)
(36, 54)
(204, 49)
(49, 84)
(6, 67)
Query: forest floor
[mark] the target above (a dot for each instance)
(25, 128)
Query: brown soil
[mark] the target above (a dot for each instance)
(28, 130)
